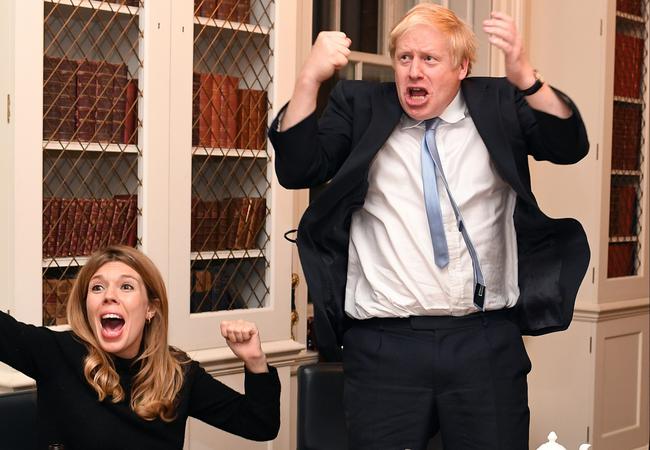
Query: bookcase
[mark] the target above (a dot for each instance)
(590, 383)
(143, 122)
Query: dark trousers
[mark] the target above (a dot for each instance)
(407, 379)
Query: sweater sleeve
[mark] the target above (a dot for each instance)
(24, 347)
(254, 415)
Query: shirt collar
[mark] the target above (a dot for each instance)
(454, 112)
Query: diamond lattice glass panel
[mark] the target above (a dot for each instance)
(91, 64)
(629, 132)
(230, 166)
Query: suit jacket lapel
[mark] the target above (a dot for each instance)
(483, 101)
(386, 113)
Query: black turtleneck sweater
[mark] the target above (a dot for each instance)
(70, 413)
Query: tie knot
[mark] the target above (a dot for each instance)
(432, 124)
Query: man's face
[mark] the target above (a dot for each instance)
(427, 81)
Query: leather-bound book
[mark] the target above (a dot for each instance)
(201, 288)
(217, 117)
(62, 241)
(209, 8)
(50, 239)
(118, 222)
(227, 10)
(131, 112)
(628, 65)
(51, 89)
(256, 223)
(130, 237)
(620, 259)
(77, 224)
(196, 85)
(224, 118)
(118, 102)
(205, 110)
(196, 212)
(626, 136)
(67, 101)
(85, 204)
(243, 118)
(59, 95)
(630, 7)
(70, 216)
(259, 110)
(104, 102)
(92, 227)
(229, 109)
(226, 228)
(102, 228)
(46, 225)
(242, 11)
(86, 98)
(622, 211)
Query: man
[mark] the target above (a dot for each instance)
(427, 255)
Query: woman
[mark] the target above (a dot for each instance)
(112, 382)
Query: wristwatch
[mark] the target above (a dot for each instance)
(537, 85)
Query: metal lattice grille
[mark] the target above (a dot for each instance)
(230, 165)
(90, 137)
(628, 138)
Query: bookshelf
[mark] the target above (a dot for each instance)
(99, 113)
(590, 383)
(629, 132)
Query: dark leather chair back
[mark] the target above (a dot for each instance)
(321, 421)
(18, 417)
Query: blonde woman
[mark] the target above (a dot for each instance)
(113, 382)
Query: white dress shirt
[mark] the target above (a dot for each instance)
(391, 270)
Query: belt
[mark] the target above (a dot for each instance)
(436, 322)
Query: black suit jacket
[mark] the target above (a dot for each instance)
(552, 253)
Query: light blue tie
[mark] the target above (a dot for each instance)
(432, 198)
(431, 170)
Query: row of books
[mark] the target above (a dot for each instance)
(231, 223)
(620, 259)
(628, 65)
(213, 289)
(232, 10)
(79, 226)
(626, 136)
(55, 299)
(90, 101)
(622, 211)
(225, 116)
(630, 7)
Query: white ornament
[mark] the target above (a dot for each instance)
(552, 445)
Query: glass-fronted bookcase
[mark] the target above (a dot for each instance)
(143, 122)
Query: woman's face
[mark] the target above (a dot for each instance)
(117, 307)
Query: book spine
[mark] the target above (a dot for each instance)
(104, 101)
(118, 105)
(196, 87)
(86, 97)
(218, 124)
(131, 113)
(205, 110)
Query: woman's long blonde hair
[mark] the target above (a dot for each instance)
(160, 376)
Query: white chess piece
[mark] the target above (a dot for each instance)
(552, 445)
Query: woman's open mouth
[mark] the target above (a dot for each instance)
(112, 325)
